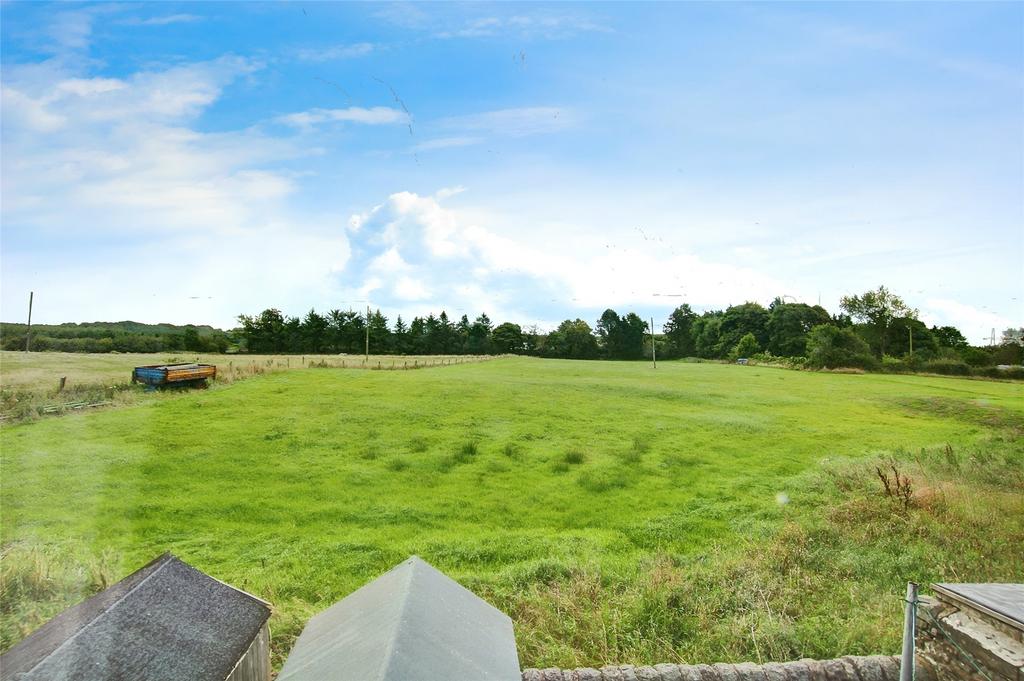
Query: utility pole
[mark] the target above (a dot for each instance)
(28, 331)
(367, 333)
(910, 332)
(654, 353)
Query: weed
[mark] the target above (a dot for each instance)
(397, 464)
(574, 457)
(418, 444)
(898, 487)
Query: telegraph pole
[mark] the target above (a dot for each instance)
(910, 332)
(28, 330)
(654, 353)
(367, 333)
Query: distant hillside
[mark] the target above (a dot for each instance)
(124, 336)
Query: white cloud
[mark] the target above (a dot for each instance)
(101, 174)
(407, 288)
(976, 324)
(447, 143)
(538, 25)
(378, 115)
(435, 255)
(518, 122)
(334, 52)
(162, 20)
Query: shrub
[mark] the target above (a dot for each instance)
(747, 347)
(893, 365)
(947, 367)
(831, 346)
(1013, 373)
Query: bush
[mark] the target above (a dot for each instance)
(947, 367)
(831, 346)
(893, 365)
(747, 347)
(1013, 373)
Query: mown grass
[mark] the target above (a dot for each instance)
(617, 513)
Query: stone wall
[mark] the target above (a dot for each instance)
(996, 648)
(850, 668)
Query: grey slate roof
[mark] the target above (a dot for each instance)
(1005, 601)
(411, 623)
(167, 621)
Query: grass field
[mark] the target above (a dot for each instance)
(619, 514)
(29, 380)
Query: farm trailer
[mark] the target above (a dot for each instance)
(173, 375)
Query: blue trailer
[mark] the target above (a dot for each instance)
(174, 375)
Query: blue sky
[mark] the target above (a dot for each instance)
(190, 162)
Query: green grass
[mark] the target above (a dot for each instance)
(617, 513)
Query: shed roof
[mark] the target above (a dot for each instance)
(1002, 601)
(166, 621)
(412, 622)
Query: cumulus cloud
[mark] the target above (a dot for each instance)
(116, 204)
(976, 324)
(414, 248)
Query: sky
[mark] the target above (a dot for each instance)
(191, 162)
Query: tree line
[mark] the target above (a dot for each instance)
(873, 330)
(124, 336)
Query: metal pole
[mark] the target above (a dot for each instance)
(909, 630)
(654, 354)
(28, 330)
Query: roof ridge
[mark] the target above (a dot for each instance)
(388, 657)
(160, 562)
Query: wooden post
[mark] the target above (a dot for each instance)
(28, 330)
(367, 333)
(654, 354)
(63, 380)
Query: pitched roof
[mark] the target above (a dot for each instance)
(412, 622)
(165, 621)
